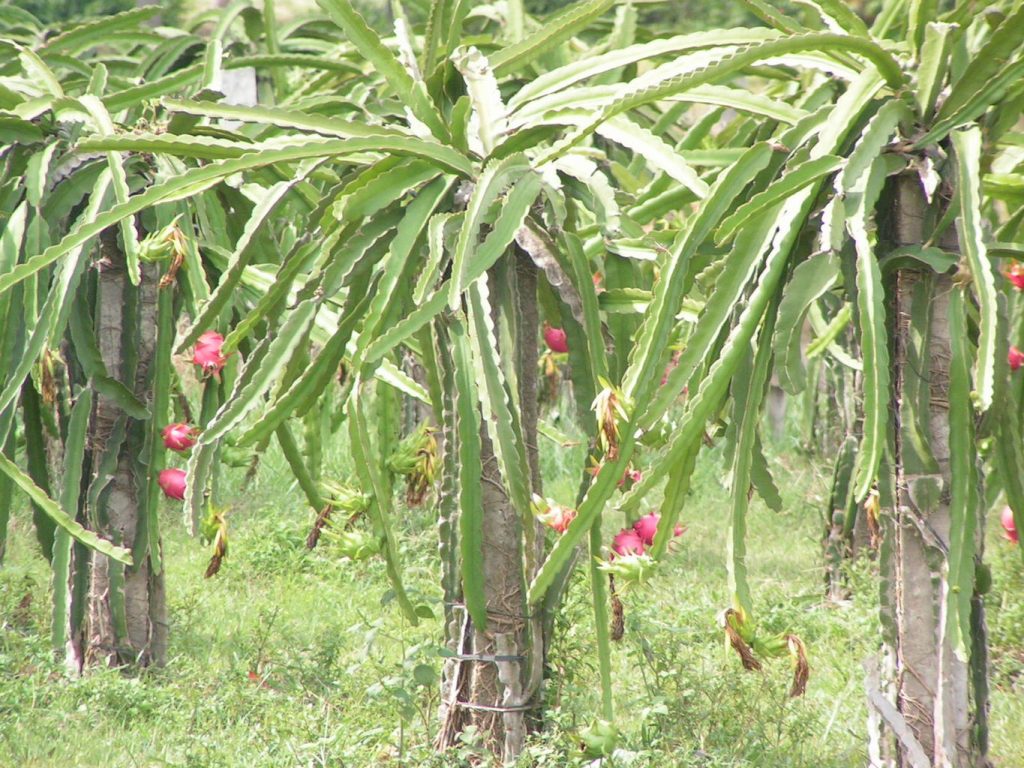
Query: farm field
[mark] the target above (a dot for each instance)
(341, 681)
(595, 383)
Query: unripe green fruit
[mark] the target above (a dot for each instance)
(599, 739)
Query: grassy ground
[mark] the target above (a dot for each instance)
(292, 658)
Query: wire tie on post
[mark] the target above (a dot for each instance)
(489, 708)
(494, 611)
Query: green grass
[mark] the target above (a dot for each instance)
(342, 680)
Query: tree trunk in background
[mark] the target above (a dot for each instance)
(156, 21)
(776, 408)
(497, 685)
(414, 410)
(125, 621)
(502, 696)
(527, 375)
(930, 684)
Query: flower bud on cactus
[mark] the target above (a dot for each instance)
(801, 669)
(672, 364)
(552, 514)
(740, 634)
(659, 433)
(416, 458)
(629, 569)
(237, 457)
(207, 353)
(354, 545)
(212, 522)
(156, 247)
(555, 339)
(161, 245)
(611, 409)
(562, 517)
(179, 437)
(172, 483)
(769, 646)
(337, 497)
(344, 497)
(630, 478)
(214, 528)
(1009, 526)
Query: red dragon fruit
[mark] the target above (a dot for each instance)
(1015, 274)
(207, 353)
(555, 339)
(1009, 526)
(647, 526)
(172, 482)
(179, 437)
(1015, 358)
(627, 542)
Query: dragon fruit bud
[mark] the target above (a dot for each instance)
(560, 517)
(627, 542)
(679, 530)
(172, 482)
(1009, 526)
(179, 437)
(632, 476)
(552, 514)
(629, 570)
(207, 354)
(555, 339)
(356, 545)
(1015, 358)
(673, 363)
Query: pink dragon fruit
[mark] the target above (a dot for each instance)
(207, 353)
(1009, 526)
(172, 482)
(647, 526)
(627, 542)
(555, 339)
(179, 437)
